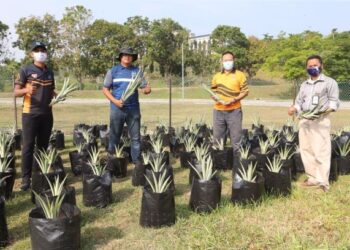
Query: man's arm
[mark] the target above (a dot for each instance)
(107, 92)
(21, 88)
(244, 91)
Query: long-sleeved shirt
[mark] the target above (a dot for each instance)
(323, 91)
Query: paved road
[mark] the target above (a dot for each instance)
(265, 103)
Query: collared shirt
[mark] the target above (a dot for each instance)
(228, 86)
(43, 79)
(118, 78)
(323, 92)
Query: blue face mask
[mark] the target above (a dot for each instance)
(228, 65)
(314, 71)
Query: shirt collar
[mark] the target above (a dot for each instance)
(319, 79)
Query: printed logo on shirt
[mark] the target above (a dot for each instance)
(34, 75)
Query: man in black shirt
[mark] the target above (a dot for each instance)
(36, 85)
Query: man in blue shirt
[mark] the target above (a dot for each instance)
(115, 83)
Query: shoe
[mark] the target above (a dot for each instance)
(323, 188)
(307, 183)
(25, 184)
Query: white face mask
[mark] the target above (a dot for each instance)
(228, 65)
(40, 56)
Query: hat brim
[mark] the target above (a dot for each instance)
(39, 46)
(134, 56)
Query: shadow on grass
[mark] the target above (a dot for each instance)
(93, 236)
(183, 211)
(122, 194)
(181, 189)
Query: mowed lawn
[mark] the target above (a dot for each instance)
(308, 219)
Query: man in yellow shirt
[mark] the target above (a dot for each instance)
(230, 85)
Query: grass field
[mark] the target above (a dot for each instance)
(308, 219)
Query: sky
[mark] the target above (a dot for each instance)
(254, 17)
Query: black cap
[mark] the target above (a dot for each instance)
(127, 51)
(35, 45)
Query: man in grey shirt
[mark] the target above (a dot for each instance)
(317, 98)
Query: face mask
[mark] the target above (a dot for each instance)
(40, 56)
(228, 65)
(314, 71)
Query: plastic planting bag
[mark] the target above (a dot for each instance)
(186, 158)
(10, 177)
(118, 166)
(138, 175)
(298, 163)
(278, 183)
(223, 159)
(334, 172)
(97, 190)
(4, 237)
(205, 195)
(77, 161)
(169, 172)
(55, 234)
(57, 140)
(157, 210)
(39, 182)
(244, 192)
(68, 198)
(343, 163)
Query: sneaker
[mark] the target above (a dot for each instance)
(25, 185)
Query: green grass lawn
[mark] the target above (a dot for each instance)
(308, 219)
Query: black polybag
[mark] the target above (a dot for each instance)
(69, 197)
(4, 236)
(118, 166)
(278, 183)
(10, 177)
(186, 158)
(138, 175)
(97, 190)
(205, 195)
(244, 192)
(223, 159)
(77, 160)
(343, 163)
(60, 233)
(157, 210)
(334, 171)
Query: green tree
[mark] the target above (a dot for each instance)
(336, 55)
(164, 45)
(230, 38)
(3, 35)
(101, 45)
(73, 27)
(140, 27)
(44, 29)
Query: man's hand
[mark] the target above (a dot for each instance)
(292, 110)
(146, 90)
(234, 100)
(31, 89)
(118, 103)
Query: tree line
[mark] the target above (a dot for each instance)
(86, 47)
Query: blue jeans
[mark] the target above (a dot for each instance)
(132, 118)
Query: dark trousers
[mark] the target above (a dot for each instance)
(36, 131)
(230, 121)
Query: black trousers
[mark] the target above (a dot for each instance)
(36, 130)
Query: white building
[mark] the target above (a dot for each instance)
(202, 42)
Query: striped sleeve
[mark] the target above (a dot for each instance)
(214, 83)
(244, 84)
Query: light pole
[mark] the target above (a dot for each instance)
(183, 70)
